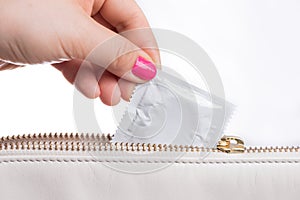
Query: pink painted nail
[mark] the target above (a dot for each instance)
(144, 69)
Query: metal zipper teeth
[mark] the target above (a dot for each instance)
(58, 137)
(101, 142)
(282, 149)
(86, 142)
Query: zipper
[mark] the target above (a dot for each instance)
(101, 142)
(231, 144)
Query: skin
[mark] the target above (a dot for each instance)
(66, 32)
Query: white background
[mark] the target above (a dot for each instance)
(255, 45)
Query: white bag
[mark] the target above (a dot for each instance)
(72, 166)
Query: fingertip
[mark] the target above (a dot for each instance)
(91, 92)
(126, 88)
(112, 98)
(116, 97)
(144, 69)
(87, 83)
(97, 93)
(136, 67)
(110, 91)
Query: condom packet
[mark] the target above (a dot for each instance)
(169, 110)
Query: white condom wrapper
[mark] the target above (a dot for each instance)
(168, 110)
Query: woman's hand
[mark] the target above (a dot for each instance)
(39, 31)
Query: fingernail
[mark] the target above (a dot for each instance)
(144, 69)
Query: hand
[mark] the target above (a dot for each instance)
(39, 31)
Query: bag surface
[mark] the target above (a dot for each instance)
(89, 167)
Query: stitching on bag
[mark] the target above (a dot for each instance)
(148, 162)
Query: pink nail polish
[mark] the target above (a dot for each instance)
(144, 69)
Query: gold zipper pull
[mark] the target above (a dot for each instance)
(231, 144)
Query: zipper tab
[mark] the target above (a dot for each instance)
(231, 144)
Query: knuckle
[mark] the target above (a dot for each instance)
(123, 63)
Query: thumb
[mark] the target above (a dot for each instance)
(115, 53)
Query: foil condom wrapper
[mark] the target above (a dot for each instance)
(168, 110)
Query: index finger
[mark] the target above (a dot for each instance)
(130, 21)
